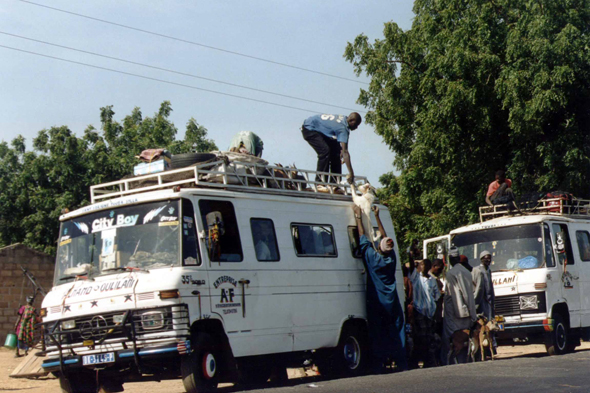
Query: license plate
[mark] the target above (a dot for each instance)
(98, 358)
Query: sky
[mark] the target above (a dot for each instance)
(38, 92)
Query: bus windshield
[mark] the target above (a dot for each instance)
(145, 236)
(512, 248)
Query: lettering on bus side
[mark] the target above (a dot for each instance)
(228, 300)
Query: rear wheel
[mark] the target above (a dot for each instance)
(350, 357)
(200, 371)
(558, 341)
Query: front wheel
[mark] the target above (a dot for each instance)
(199, 370)
(80, 382)
(350, 357)
(558, 340)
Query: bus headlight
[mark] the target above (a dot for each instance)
(529, 302)
(65, 325)
(152, 320)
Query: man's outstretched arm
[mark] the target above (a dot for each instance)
(345, 155)
(379, 223)
(358, 218)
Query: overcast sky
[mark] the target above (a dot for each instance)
(39, 92)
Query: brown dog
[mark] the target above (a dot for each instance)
(481, 337)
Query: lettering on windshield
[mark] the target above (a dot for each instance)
(100, 224)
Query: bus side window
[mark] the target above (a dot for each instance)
(548, 247)
(354, 239)
(562, 239)
(223, 241)
(190, 245)
(265, 240)
(583, 238)
(313, 240)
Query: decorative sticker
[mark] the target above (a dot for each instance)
(167, 223)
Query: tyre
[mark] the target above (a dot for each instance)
(80, 382)
(350, 357)
(558, 340)
(199, 370)
(183, 160)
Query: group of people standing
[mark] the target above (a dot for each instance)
(436, 308)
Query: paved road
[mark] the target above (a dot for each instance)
(534, 373)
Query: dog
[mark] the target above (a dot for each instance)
(365, 202)
(481, 337)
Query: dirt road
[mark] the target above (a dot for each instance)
(51, 385)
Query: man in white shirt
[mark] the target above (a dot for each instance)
(425, 294)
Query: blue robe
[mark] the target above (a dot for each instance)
(384, 311)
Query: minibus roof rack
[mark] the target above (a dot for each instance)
(572, 208)
(235, 176)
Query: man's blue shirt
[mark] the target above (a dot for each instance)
(332, 126)
(381, 269)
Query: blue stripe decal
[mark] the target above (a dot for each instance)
(53, 364)
(148, 352)
(522, 326)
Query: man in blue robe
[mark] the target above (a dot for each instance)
(384, 311)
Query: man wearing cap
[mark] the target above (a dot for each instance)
(384, 311)
(483, 288)
(459, 305)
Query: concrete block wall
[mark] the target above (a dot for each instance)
(38, 264)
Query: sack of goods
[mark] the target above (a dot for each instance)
(153, 161)
(240, 168)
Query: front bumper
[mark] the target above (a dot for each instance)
(139, 334)
(530, 331)
(123, 358)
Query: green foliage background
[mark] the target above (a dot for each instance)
(36, 185)
(475, 86)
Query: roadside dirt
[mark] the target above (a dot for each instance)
(50, 385)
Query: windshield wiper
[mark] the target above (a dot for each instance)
(126, 268)
(74, 276)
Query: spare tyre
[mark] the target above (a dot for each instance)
(183, 160)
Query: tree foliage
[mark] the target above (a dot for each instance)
(475, 86)
(36, 185)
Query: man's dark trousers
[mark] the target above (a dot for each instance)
(328, 150)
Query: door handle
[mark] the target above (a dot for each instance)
(244, 282)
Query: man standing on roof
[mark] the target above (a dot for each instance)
(384, 311)
(500, 190)
(328, 135)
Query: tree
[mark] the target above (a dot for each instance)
(38, 184)
(475, 86)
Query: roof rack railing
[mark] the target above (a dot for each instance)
(575, 207)
(234, 175)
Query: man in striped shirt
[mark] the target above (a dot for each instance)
(426, 294)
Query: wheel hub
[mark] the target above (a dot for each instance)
(352, 353)
(209, 365)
